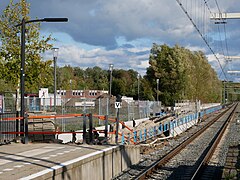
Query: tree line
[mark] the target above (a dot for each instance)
(182, 74)
(174, 73)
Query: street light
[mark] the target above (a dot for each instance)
(110, 89)
(22, 75)
(55, 55)
(138, 77)
(157, 88)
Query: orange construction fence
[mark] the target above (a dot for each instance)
(101, 117)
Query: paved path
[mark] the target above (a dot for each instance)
(21, 161)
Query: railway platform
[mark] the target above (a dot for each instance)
(64, 161)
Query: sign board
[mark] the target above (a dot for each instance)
(86, 103)
(117, 105)
(43, 93)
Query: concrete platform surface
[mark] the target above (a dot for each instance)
(29, 161)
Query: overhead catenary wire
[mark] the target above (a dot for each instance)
(202, 36)
(225, 34)
(224, 25)
(206, 4)
(217, 6)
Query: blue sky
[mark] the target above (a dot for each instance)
(121, 32)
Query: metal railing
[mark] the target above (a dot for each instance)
(7, 126)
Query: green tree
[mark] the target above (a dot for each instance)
(100, 80)
(38, 73)
(182, 75)
(125, 83)
(165, 66)
(65, 78)
(146, 92)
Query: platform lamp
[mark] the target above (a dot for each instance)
(157, 88)
(138, 78)
(24, 122)
(55, 56)
(110, 86)
(138, 84)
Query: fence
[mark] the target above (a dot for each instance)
(7, 124)
(102, 106)
(129, 110)
(37, 131)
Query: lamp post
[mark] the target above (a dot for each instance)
(157, 88)
(24, 122)
(55, 55)
(110, 87)
(138, 77)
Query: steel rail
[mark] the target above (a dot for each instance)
(177, 149)
(211, 148)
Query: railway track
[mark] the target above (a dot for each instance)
(189, 159)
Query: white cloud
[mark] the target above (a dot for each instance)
(196, 48)
(216, 62)
(122, 58)
(139, 23)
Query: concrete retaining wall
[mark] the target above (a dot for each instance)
(182, 128)
(100, 165)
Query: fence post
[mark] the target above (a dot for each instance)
(26, 129)
(140, 135)
(145, 134)
(90, 128)
(17, 123)
(149, 133)
(135, 136)
(155, 131)
(117, 127)
(159, 129)
(106, 128)
(84, 128)
(129, 138)
(122, 137)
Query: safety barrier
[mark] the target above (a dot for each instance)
(167, 128)
(9, 129)
(9, 125)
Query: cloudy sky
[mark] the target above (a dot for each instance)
(121, 32)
